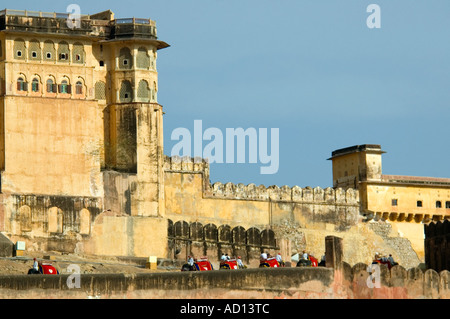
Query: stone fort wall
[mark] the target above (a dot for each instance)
(200, 218)
(295, 218)
(285, 283)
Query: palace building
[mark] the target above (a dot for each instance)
(407, 201)
(83, 170)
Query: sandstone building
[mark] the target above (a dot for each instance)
(83, 168)
(407, 202)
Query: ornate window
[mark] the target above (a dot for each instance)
(125, 59)
(35, 50)
(49, 50)
(79, 87)
(65, 87)
(78, 53)
(100, 90)
(143, 92)
(63, 52)
(126, 92)
(142, 59)
(51, 86)
(35, 85)
(19, 49)
(22, 84)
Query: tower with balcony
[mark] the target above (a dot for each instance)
(78, 108)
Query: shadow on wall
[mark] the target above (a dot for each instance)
(437, 245)
(195, 239)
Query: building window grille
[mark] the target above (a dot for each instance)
(394, 202)
(100, 90)
(419, 203)
(438, 204)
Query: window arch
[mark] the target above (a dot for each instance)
(51, 85)
(79, 87)
(143, 92)
(142, 59)
(63, 52)
(126, 92)
(65, 87)
(78, 53)
(49, 51)
(19, 49)
(22, 84)
(34, 50)
(125, 58)
(35, 84)
(100, 90)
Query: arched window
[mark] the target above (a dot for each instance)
(100, 90)
(49, 51)
(126, 92)
(34, 50)
(65, 87)
(142, 59)
(79, 87)
(78, 53)
(35, 85)
(63, 52)
(143, 91)
(21, 84)
(19, 49)
(51, 86)
(125, 59)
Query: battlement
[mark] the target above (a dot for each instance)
(186, 164)
(251, 191)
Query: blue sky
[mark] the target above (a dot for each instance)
(313, 69)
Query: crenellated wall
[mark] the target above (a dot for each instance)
(299, 217)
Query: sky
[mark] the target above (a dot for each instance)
(312, 69)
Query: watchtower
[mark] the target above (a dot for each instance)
(355, 164)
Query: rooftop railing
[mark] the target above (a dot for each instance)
(56, 15)
(38, 14)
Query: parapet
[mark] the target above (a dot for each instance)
(285, 193)
(102, 25)
(186, 164)
(251, 191)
